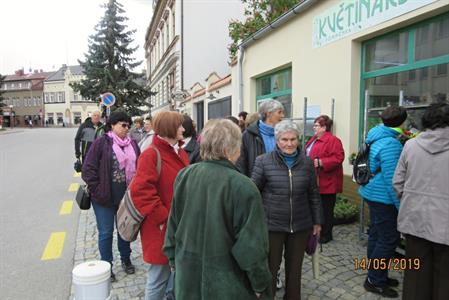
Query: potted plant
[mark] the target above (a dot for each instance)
(352, 158)
(345, 212)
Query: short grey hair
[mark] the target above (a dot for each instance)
(286, 126)
(219, 139)
(268, 106)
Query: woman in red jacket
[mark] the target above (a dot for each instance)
(152, 195)
(328, 155)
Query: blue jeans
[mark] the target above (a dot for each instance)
(157, 278)
(383, 238)
(105, 224)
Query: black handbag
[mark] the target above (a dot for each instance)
(83, 197)
(77, 165)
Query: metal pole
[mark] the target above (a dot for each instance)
(365, 129)
(401, 97)
(304, 124)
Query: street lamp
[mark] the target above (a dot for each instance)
(11, 116)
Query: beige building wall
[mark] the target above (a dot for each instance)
(320, 74)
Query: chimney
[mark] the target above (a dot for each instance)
(20, 72)
(41, 71)
(36, 71)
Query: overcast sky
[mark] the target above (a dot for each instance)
(44, 34)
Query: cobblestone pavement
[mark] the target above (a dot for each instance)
(338, 277)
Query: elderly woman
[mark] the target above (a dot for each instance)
(107, 170)
(152, 193)
(217, 238)
(326, 151)
(421, 182)
(258, 138)
(137, 132)
(287, 181)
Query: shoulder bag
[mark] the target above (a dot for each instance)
(128, 217)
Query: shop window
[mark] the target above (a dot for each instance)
(60, 118)
(432, 39)
(77, 118)
(276, 86)
(386, 52)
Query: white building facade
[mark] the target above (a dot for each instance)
(63, 106)
(185, 40)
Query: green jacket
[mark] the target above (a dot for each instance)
(217, 237)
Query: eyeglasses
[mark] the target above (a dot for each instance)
(317, 126)
(125, 125)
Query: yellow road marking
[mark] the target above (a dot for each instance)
(54, 247)
(76, 174)
(66, 207)
(74, 187)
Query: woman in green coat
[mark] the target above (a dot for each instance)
(217, 238)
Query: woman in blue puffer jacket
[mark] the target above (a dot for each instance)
(385, 150)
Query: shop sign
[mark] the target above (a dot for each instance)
(351, 16)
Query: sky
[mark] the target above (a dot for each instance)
(45, 34)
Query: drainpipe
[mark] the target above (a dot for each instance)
(242, 53)
(182, 45)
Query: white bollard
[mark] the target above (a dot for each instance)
(92, 280)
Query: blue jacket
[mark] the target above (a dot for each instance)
(384, 155)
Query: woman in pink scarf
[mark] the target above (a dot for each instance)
(108, 168)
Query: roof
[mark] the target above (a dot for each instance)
(220, 83)
(30, 76)
(302, 6)
(59, 75)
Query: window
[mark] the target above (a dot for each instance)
(173, 24)
(167, 32)
(276, 86)
(52, 97)
(60, 118)
(77, 118)
(61, 98)
(407, 73)
(386, 52)
(432, 39)
(75, 97)
(46, 97)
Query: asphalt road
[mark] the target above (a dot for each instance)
(36, 169)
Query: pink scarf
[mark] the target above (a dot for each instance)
(126, 156)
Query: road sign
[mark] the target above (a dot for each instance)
(107, 99)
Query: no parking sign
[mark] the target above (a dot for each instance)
(107, 99)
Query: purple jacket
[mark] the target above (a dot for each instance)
(97, 169)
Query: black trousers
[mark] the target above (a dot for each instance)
(295, 246)
(328, 204)
(431, 280)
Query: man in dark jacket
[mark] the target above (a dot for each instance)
(259, 138)
(90, 130)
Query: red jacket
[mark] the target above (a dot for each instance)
(329, 150)
(152, 195)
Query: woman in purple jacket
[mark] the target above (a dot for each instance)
(109, 166)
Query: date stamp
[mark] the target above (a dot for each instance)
(396, 264)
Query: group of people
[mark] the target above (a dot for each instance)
(409, 194)
(226, 206)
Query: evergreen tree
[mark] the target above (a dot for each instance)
(108, 64)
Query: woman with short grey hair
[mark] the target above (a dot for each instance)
(259, 138)
(223, 141)
(287, 182)
(210, 257)
(270, 106)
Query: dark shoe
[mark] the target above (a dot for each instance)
(128, 267)
(325, 240)
(392, 282)
(113, 277)
(384, 291)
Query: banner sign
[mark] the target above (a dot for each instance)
(351, 16)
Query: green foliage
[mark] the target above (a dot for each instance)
(344, 208)
(258, 14)
(108, 64)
